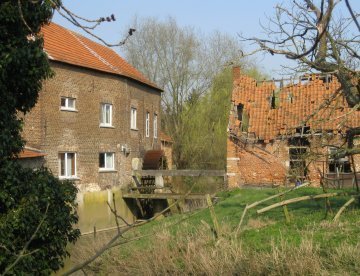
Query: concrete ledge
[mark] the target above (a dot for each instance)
(233, 159)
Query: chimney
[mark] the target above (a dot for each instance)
(236, 72)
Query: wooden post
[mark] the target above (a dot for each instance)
(285, 209)
(225, 181)
(327, 200)
(355, 176)
(241, 220)
(213, 215)
(302, 198)
(351, 200)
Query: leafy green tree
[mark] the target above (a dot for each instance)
(37, 210)
(205, 123)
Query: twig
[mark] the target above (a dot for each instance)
(22, 17)
(352, 14)
(116, 215)
(154, 232)
(109, 244)
(22, 252)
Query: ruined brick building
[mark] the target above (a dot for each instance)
(94, 117)
(286, 132)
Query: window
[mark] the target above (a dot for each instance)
(106, 115)
(274, 99)
(67, 162)
(147, 124)
(67, 103)
(155, 126)
(338, 165)
(240, 109)
(133, 118)
(297, 156)
(106, 161)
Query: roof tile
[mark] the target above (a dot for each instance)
(69, 47)
(307, 97)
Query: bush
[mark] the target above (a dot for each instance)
(29, 200)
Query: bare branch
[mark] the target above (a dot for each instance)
(352, 14)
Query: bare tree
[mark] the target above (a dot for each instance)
(321, 39)
(182, 61)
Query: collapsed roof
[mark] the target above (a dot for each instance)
(314, 101)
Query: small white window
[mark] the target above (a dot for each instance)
(106, 115)
(67, 162)
(67, 103)
(155, 126)
(106, 161)
(147, 124)
(133, 118)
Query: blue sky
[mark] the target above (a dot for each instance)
(230, 16)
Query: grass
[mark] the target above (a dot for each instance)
(310, 244)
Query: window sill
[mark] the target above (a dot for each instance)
(68, 109)
(134, 129)
(107, 170)
(106, 126)
(69, 178)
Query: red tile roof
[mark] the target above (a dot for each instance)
(30, 153)
(296, 102)
(69, 47)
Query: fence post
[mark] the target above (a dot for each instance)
(213, 215)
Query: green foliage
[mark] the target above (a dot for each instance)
(203, 140)
(23, 66)
(26, 195)
(27, 198)
(204, 137)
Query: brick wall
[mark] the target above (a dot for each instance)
(255, 164)
(53, 130)
(269, 163)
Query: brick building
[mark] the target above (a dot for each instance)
(94, 116)
(286, 132)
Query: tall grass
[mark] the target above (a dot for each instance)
(310, 245)
(197, 252)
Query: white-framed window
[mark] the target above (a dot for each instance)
(133, 116)
(147, 124)
(155, 126)
(67, 164)
(107, 161)
(67, 103)
(106, 115)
